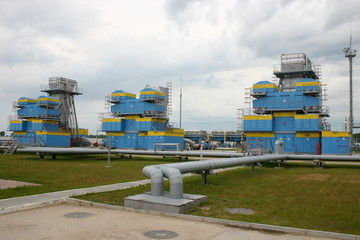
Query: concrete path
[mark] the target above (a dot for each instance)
(74, 221)
(40, 200)
(55, 216)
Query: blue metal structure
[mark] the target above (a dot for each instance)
(48, 120)
(38, 121)
(140, 123)
(292, 111)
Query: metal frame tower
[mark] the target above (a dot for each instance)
(350, 54)
(65, 89)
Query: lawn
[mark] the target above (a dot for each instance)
(69, 172)
(298, 196)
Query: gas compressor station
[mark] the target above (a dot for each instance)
(289, 108)
(286, 121)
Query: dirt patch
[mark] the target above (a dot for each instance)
(205, 208)
(314, 177)
(355, 179)
(4, 184)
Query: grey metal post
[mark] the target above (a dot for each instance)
(180, 105)
(349, 53)
(109, 150)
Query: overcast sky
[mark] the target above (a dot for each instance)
(214, 49)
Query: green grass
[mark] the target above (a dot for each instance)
(298, 196)
(68, 172)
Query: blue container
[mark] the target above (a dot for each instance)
(150, 94)
(17, 125)
(284, 122)
(289, 141)
(53, 139)
(335, 142)
(25, 101)
(307, 123)
(120, 95)
(259, 123)
(47, 101)
(307, 142)
(261, 141)
(113, 124)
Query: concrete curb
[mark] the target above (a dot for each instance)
(224, 222)
(9, 205)
(33, 205)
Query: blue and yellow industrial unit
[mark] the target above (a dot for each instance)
(292, 110)
(141, 123)
(37, 122)
(45, 121)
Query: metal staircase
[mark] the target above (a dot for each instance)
(11, 146)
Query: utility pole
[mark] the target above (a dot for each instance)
(350, 54)
(180, 104)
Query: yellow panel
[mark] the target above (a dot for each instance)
(302, 84)
(259, 134)
(143, 134)
(284, 114)
(27, 100)
(115, 134)
(19, 133)
(169, 134)
(123, 95)
(176, 130)
(150, 120)
(16, 121)
(307, 116)
(307, 134)
(269, 85)
(83, 131)
(131, 117)
(42, 121)
(258, 117)
(335, 134)
(55, 122)
(111, 120)
(52, 133)
(152, 92)
(48, 99)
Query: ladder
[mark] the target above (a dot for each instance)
(11, 146)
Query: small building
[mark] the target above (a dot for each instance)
(37, 123)
(292, 110)
(48, 121)
(141, 123)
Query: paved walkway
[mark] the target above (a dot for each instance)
(74, 221)
(33, 201)
(55, 216)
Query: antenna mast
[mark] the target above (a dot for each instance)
(350, 54)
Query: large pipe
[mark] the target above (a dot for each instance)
(173, 171)
(176, 182)
(192, 144)
(325, 157)
(63, 151)
(157, 180)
